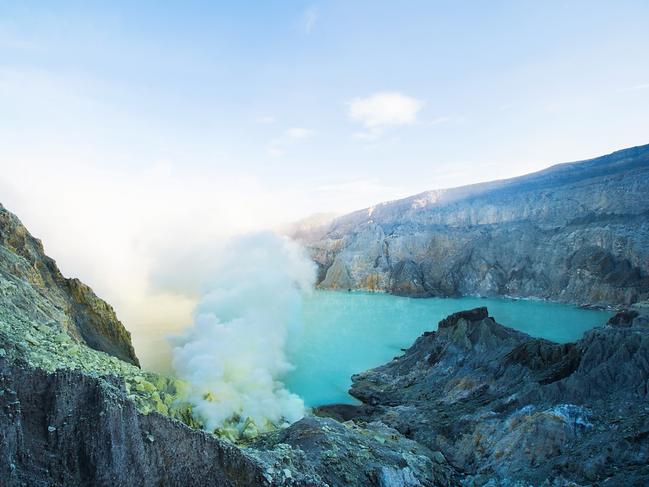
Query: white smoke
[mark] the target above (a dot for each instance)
(233, 355)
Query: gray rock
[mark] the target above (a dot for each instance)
(32, 288)
(504, 407)
(96, 437)
(575, 232)
(69, 429)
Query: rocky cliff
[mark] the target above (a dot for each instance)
(32, 289)
(576, 232)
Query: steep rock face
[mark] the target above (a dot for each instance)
(575, 232)
(69, 429)
(66, 429)
(34, 289)
(505, 407)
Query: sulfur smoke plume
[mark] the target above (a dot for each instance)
(233, 355)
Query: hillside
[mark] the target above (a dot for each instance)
(575, 232)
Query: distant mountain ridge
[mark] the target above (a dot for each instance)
(575, 232)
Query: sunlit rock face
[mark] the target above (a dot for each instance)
(34, 290)
(576, 232)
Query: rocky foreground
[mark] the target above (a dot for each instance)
(576, 233)
(507, 409)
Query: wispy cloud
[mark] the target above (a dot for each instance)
(265, 120)
(641, 86)
(278, 146)
(439, 120)
(382, 110)
(309, 19)
(298, 133)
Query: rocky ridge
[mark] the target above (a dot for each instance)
(576, 232)
(69, 428)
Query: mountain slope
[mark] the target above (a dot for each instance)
(575, 232)
(34, 290)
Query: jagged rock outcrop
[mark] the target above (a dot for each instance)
(575, 232)
(33, 289)
(509, 409)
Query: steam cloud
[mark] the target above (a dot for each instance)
(233, 355)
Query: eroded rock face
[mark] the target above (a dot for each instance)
(504, 407)
(69, 429)
(33, 289)
(575, 232)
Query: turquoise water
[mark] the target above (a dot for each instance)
(346, 333)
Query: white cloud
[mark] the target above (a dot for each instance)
(309, 19)
(278, 146)
(642, 86)
(273, 150)
(265, 120)
(298, 133)
(384, 109)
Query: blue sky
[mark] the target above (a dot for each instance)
(126, 124)
(505, 86)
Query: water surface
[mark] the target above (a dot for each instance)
(345, 333)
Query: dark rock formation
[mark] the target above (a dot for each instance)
(346, 454)
(575, 232)
(38, 292)
(69, 429)
(504, 407)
